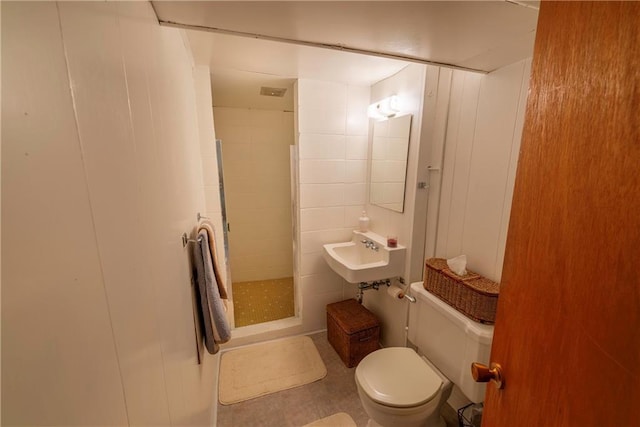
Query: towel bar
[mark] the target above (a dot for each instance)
(200, 217)
(186, 240)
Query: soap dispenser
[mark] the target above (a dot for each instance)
(363, 222)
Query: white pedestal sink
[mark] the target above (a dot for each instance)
(365, 258)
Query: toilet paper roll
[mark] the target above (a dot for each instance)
(395, 292)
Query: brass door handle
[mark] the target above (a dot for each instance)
(483, 374)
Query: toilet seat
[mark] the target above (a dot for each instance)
(397, 377)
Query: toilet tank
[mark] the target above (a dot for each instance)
(450, 340)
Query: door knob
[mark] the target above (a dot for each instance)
(483, 374)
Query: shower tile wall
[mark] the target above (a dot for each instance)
(333, 149)
(255, 149)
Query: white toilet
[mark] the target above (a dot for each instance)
(400, 388)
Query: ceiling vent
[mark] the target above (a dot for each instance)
(273, 91)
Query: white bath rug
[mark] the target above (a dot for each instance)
(341, 419)
(255, 371)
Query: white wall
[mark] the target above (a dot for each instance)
(211, 183)
(409, 85)
(424, 93)
(257, 171)
(417, 87)
(332, 129)
(101, 176)
(469, 126)
(210, 176)
(483, 139)
(333, 174)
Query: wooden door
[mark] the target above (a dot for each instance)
(568, 325)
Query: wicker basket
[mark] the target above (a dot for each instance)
(352, 330)
(473, 295)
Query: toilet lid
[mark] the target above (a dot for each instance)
(398, 377)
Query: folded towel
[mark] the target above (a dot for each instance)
(206, 225)
(216, 326)
(203, 300)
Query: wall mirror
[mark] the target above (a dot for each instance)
(389, 162)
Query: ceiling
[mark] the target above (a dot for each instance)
(252, 43)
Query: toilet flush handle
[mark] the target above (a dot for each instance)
(483, 374)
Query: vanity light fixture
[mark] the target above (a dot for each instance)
(385, 108)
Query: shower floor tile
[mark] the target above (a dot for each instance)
(261, 301)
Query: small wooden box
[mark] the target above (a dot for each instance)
(352, 330)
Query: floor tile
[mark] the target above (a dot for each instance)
(337, 392)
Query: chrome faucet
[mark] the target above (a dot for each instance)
(370, 244)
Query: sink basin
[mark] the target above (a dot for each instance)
(356, 262)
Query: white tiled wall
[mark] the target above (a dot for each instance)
(333, 148)
(102, 174)
(258, 190)
(409, 85)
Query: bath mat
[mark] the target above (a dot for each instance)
(340, 419)
(254, 371)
